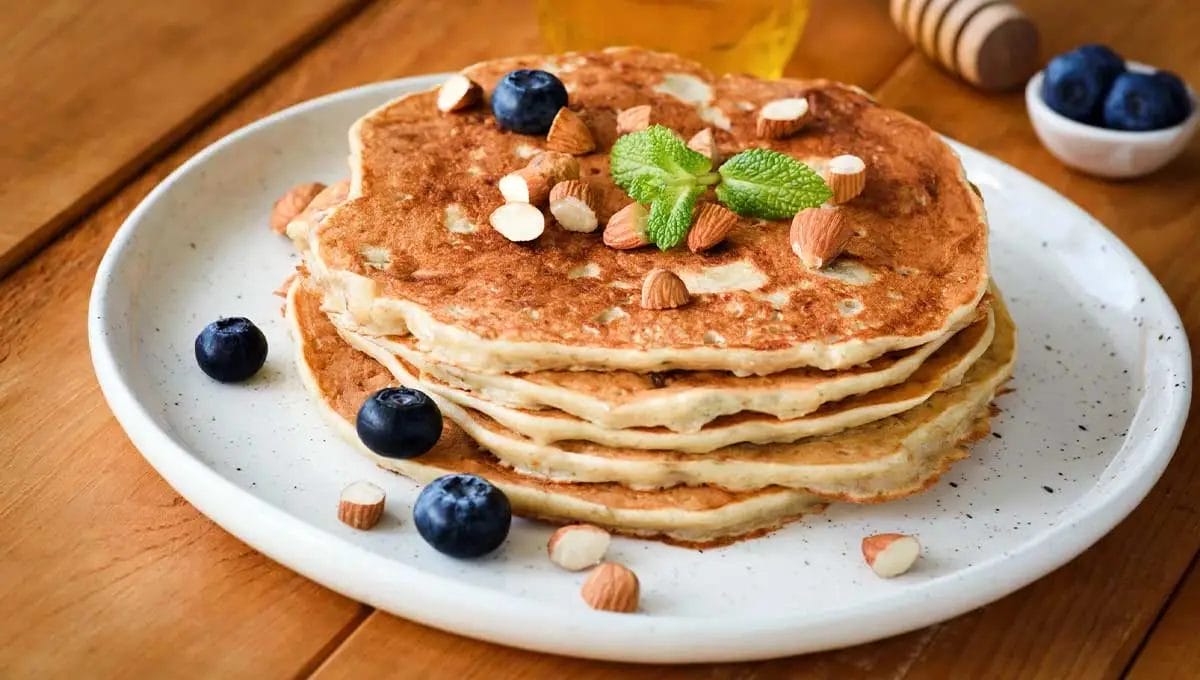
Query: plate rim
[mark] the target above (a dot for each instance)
(509, 619)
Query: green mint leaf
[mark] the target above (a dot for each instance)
(652, 161)
(671, 216)
(768, 184)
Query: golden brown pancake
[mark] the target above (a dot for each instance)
(412, 251)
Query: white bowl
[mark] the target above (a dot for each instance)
(1115, 154)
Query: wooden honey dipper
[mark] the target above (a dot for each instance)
(991, 44)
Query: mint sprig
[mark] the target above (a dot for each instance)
(655, 166)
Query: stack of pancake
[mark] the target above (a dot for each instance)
(776, 389)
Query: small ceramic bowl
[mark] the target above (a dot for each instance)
(1116, 154)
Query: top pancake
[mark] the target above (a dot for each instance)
(412, 250)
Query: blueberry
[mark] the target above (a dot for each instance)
(1179, 95)
(527, 101)
(1103, 58)
(397, 422)
(462, 515)
(1139, 101)
(1075, 82)
(231, 350)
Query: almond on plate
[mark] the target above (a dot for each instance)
(361, 505)
(518, 222)
(457, 93)
(611, 587)
(292, 204)
(573, 204)
(578, 546)
(890, 555)
(818, 235)
(626, 229)
(662, 289)
(713, 222)
(782, 117)
(846, 176)
(633, 119)
(569, 134)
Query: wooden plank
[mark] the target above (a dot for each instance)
(104, 570)
(1171, 651)
(386, 644)
(90, 91)
(1086, 619)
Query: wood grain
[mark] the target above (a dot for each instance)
(1171, 652)
(104, 571)
(384, 640)
(90, 91)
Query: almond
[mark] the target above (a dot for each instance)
(555, 165)
(626, 229)
(292, 203)
(518, 222)
(611, 587)
(573, 204)
(361, 505)
(578, 546)
(633, 119)
(847, 176)
(318, 209)
(818, 235)
(662, 289)
(713, 223)
(527, 185)
(890, 555)
(569, 134)
(330, 196)
(782, 118)
(703, 143)
(457, 93)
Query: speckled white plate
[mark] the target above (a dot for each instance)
(1102, 389)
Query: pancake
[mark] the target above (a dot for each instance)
(681, 401)
(341, 378)
(943, 369)
(411, 250)
(882, 460)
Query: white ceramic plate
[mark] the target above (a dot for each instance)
(1102, 389)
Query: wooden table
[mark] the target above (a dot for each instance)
(105, 571)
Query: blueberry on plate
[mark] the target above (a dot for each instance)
(1075, 83)
(1179, 95)
(462, 515)
(1139, 101)
(527, 100)
(231, 350)
(397, 422)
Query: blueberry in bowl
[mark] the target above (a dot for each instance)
(231, 349)
(1076, 82)
(1108, 117)
(527, 100)
(1139, 102)
(398, 422)
(462, 515)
